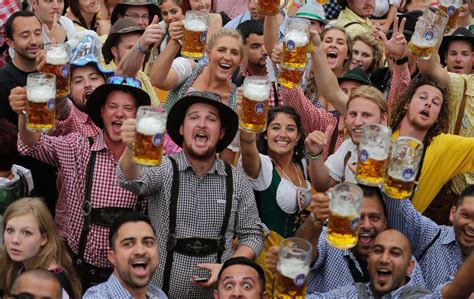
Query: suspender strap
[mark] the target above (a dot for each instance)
(346, 159)
(87, 205)
(351, 23)
(355, 273)
(172, 227)
(228, 206)
(462, 107)
(335, 134)
(276, 86)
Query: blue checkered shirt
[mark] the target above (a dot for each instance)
(113, 289)
(331, 269)
(232, 24)
(358, 290)
(440, 261)
(332, 9)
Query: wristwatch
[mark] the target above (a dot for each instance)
(401, 61)
(140, 49)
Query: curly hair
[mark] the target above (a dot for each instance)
(399, 110)
(376, 47)
(262, 144)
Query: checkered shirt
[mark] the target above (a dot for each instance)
(356, 290)
(331, 269)
(200, 212)
(443, 258)
(6, 9)
(113, 289)
(332, 9)
(245, 17)
(313, 118)
(70, 154)
(271, 99)
(232, 8)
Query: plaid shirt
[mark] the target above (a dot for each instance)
(332, 9)
(443, 258)
(7, 8)
(331, 268)
(245, 17)
(70, 154)
(200, 212)
(112, 288)
(232, 8)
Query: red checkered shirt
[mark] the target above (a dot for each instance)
(70, 154)
(271, 100)
(7, 7)
(232, 8)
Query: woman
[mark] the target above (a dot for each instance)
(85, 15)
(216, 20)
(367, 53)
(277, 174)
(30, 242)
(171, 12)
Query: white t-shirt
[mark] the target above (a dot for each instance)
(335, 162)
(382, 6)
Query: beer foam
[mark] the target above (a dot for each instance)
(256, 92)
(299, 38)
(292, 267)
(150, 126)
(56, 56)
(40, 94)
(376, 153)
(195, 25)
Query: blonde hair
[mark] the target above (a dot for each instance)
(377, 50)
(54, 251)
(373, 95)
(225, 32)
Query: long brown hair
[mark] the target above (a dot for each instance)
(376, 47)
(54, 251)
(401, 107)
(76, 11)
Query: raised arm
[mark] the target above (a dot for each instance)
(271, 32)
(250, 158)
(432, 68)
(129, 169)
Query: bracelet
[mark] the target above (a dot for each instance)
(316, 220)
(315, 157)
(401, 61)
(140, 49)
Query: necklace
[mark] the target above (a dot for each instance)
(300, 197)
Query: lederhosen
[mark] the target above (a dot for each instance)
(89, 274)
(198, 247)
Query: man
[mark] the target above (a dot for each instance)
(133, 253)
(142, 11)
(389, 264)
(240, 278)
(365, 106)
(457, 51)
(8, 7)
(87, 167)
(352, 263)
(313, 12)
(37, 283)
(439, 249)
(197, 202)
(123, 37)
(354, 18)
(59, 27)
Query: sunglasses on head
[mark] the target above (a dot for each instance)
(119, 80)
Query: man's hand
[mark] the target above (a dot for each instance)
(315, 141)
(40, 60)
(128, 131)
(18, 100)
(152, 35)
(239, 95)
(57, 34)
(396, 46)
(277, 54)
(214, 270)
(271, 258)
(315, 40)
(320, 206)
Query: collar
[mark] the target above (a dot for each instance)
(82, 116)
(393, 294)
(116, 289)
(355, 17)
(216, 168)
(448, 238)
(99, 142)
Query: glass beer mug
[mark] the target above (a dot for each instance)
(149, 137)
(374, 147)
(452, 8)
(195, 31)
(292, 269)
(57, 63)
(428, 30)
(403, 167)
(295, 43)
(270, 7)
(255, 104)
(290, 78)
(41, 111)
(344, 215)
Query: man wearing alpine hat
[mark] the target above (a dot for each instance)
(314, 12)
(197, 203)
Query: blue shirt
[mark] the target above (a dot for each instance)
(114, 290)
(331, 268)
(232, 24)
(434, 246)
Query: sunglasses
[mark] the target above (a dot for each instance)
(128, 81)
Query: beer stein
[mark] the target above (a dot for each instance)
(195, 31)
(57, 63)
(428, 30)
(344, 215)
(374, 147)
(149, 137)
(290, 78)
(40, 92)
(294, 260)
(452, 8)
(295, 43)
(270, 7)
(255, 104)
(403, 167)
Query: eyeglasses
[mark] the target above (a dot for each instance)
(137, 17)
(119, 80)
(205, 94)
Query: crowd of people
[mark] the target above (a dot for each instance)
(80, 217)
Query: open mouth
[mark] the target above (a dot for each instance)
(283, 143)
(225, 66)
(383, 274)
(117, 126)
(365, 239)
(201, 138)
(140, 268)
(457, 69)
(331, 54)
(425, 113)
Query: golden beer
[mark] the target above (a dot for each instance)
(294, 50)
(268, 7)
(290, 281)
(57, 63)
(453, 13)
(398, 188)
(149, 140)
(255, 104)
(41, 112)
(371, 166)
(194, 38)
(342, 231)
(424, 52)
(290, 78)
